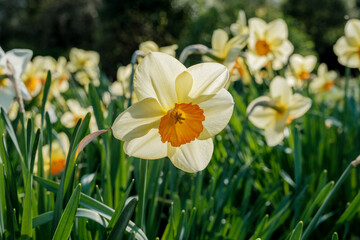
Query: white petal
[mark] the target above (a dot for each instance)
(352, 29)
(19, 58)
(155, 78)
(23, 90)
(256, 62)
(183, 85)
(276, 30)
(310, 62)
(274, 135)
(208, 79)
(280, 90)
(260, 116)
(217, 111)
(299, 105)
(7, 95)
(137, 120)
(147, 147)
(192, 157)
(257, 28)
(342, 47)
(219, 39)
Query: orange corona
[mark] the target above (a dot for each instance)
(262, 47)
(182, 124)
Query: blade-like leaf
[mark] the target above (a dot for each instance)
(120, 225)
(66, 222)
(296, 233)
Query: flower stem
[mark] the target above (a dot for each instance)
(297, 169)
(342, 178)
(142, 193)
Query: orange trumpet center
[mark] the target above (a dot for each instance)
(262, 47)
(304, 75)
(182, 124)
(57, 165)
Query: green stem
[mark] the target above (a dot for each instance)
(342, 178)
(142, 193)
(347, 78)
(297, 170)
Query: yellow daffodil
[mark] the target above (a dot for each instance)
(347, 48)
(268, 44)
(240, 27)
(324, 81)
(274, 112)
(18, 59)
(150, 46)
(59, 149)
(299, 70)
(76, 111)
(179, 111)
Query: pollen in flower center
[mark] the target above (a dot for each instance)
(262, 47)
(182, 124)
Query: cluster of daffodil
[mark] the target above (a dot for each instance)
(176, 110)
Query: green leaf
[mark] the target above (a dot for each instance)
(66, 222)
(120, 225)
(117, 213)
(26, 223)
(10, 130)
(95, 102)
(80, 213)
(93, 204)
(2, 199)
(350, 212)
(45, 96)
(296, 233)
(335, 236)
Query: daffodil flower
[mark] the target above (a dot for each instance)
(18, 58)
(150, 46)
(347, 48)
(274, 112)
(324, 81)
(299, 70)
(240, 27)
(121, 87)
(35, 73)
(57, 162)
(179, 111)
(267, 44)
(76, 112)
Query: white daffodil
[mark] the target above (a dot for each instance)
(224, 49)
(70, 118)
(59, 149)
(62, 75)
(274, 112)
(268, 44)
(35, 73)
(121, 87)
(81, 59)
(240, 27)
(150, 46)
(18, 59)
(347, 48)
(300, 69)
(179, 111)
(324, 81)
